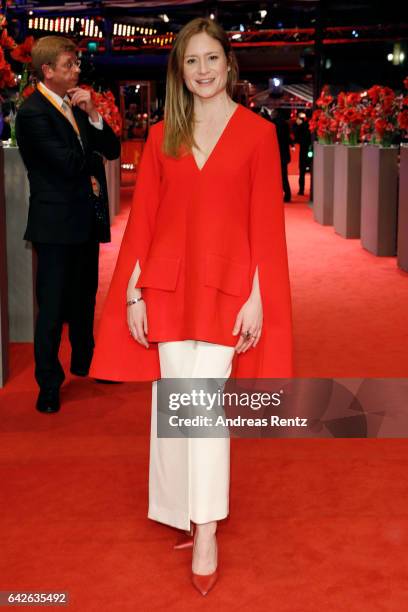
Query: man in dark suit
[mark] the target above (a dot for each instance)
(58, 129)
(303, 139)
(284, 140)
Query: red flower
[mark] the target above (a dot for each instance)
(105, 105)
(380, 126)
(352, 99)
(6, 41)
(28, 91)
(22, 53)
(402, 119)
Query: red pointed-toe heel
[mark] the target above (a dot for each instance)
(204, 584)
(185, 540)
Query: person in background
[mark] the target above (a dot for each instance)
(57, 130)
(284, 140)
(303, 138)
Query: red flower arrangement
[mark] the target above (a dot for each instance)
(106, 106)
(22, 53)
(323, 121)
(402, 117)
(375, 116)
(7, 76)
(349, 115)
(380, 116)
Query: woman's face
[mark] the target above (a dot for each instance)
(205, 66)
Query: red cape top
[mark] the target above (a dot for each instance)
(199, 236)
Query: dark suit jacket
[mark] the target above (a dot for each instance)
(283, 134)
(59, 170)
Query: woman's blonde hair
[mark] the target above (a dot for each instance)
(179, 106)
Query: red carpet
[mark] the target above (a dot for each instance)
(314, 524)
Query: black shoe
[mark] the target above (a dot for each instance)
(79, 371)
(48, 401)
(286, 199)
(301, 193)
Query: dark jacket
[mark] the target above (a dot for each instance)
(59, 170)
(283, 134)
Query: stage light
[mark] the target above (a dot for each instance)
(276, 82)
(30, 13)
(92, 46)
(212, 16)
(241, 27)
(236, 37)
(390, 57)
(401, 57)
(165, 18)
(263, 14)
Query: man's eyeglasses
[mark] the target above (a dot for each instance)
(68, 65)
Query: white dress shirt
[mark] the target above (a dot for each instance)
(64, 104)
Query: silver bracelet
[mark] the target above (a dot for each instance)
(133, 301)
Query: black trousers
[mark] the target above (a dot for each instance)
(66, 285)
(285, 180)
(303, 161)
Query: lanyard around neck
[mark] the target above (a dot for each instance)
(71, 118)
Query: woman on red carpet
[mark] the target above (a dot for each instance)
(202, 273)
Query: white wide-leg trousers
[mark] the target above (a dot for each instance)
(189, 477)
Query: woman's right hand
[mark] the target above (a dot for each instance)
(137, 322)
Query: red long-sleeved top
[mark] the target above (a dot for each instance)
(199, 236)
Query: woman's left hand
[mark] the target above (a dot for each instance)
(249, 319)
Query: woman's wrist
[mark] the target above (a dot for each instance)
(133, 293)
(255, 297)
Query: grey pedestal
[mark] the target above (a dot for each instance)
(347, 191)
(323, 183)
(402, 248)
(379, 189)
(20, 258)
(4, 325)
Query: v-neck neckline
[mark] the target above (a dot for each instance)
(220, 137)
